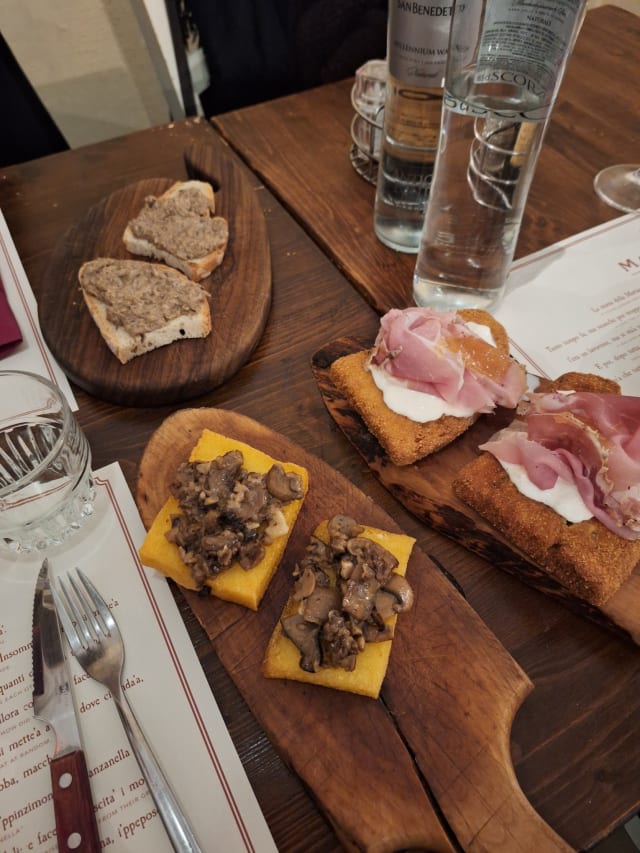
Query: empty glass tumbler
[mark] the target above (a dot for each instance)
(46, 485)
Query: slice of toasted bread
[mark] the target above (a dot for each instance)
(139, 306)
(404, 440)
(282, 657)
(586, 558)
(179, 228)
(245, 587)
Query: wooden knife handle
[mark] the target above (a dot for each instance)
(76, 825)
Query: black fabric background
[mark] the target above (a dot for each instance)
(260, 49)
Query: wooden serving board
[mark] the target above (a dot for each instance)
(240, 298)
(425, 489)
(447, 704)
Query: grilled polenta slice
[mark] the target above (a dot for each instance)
(242, 586)
(282, 657)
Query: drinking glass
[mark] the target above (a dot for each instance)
(367, 99)
(619, 186)
(46, 486)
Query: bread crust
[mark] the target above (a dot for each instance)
(195, 268)
(126, 346)
(586, 557)
(404, 440)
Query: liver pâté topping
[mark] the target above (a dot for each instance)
(181, 224)
(143, 298)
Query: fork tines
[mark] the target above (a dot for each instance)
(83, 612)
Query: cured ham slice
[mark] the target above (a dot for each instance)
(438, 353)
(591, 440)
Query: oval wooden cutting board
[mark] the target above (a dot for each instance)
(425, 489)
(447, 704)
(239, 290)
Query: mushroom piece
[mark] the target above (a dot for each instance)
(250, 554)
(316, 607)
(341, 529)
(305, 584)
(341, 640)
(385, 604)
(246, 502)
(375, 633)
(277, 525)
(220, 548)
(221, 474)
(282, 485)
(372, 558)
(358, 598)
(399, 587)
(318, 554)
(305, 636)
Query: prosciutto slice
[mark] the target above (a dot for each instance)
(590, 440)
(437, 353)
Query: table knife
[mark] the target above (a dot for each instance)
(76, 826)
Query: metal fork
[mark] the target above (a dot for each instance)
(96, 642)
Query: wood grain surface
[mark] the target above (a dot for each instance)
(239, 297)
(449, 698)
(425, 489)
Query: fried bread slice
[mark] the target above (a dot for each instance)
(405, 440)
(589, 560)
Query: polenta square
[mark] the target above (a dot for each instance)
(283, 657)
(234, 583)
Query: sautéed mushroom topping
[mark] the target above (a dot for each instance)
(228, 514)
(347, 589)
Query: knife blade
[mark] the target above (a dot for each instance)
(76, 825)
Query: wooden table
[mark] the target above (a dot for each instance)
(574, 743)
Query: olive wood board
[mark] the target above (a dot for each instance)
(441, 728)
(425, 489)
(239, 296)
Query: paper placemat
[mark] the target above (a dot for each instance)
(575, 306)
(32, 354)
(164, 683)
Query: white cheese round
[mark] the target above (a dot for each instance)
(564, 497)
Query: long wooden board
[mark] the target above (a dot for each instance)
(239, 291)
(442, 726)
(425, 489)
